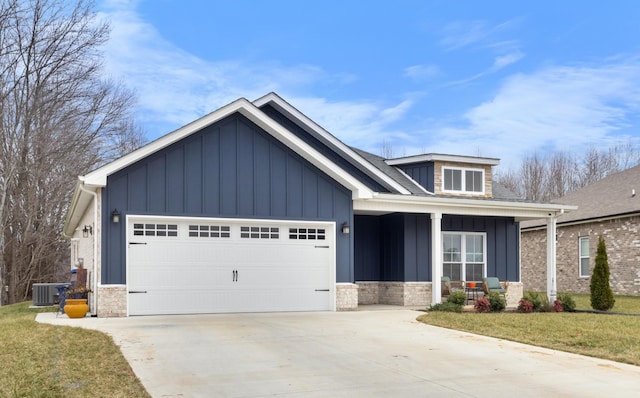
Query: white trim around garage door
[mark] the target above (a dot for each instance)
(221, 265)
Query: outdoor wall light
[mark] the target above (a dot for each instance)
(115, 216)
(345, 228)
(86, 231)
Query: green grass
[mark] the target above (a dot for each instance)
(58, 361)
(613, 337)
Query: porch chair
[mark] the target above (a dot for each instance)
(447, 289)
(492, 284)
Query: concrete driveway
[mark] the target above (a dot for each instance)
(345, 354)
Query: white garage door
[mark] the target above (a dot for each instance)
(195, 265)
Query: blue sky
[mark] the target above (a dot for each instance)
(499, 79)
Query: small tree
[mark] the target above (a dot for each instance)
(601, 295)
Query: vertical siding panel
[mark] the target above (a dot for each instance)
(211, 171)
(175, 180)
(245, 169)
(423, 229)
(325, 199)
(261, 171)
(294, 187)
(409, 268)
(157, 185)
(193, 176)
(344, 255)
(310, 193)
(116, 232)
(137, 189)
(278, 182)
(228, 174)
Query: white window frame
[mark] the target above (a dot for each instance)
(463, 252)
(582, 257)
(463, 177)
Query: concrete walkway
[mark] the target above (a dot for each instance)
(384, 353)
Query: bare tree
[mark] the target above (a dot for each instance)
(560, 173)
(386, 150)
(533, 176)
(59, 118)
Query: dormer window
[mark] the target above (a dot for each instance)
(463, 180)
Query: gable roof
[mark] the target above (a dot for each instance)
(613, 196)
(405, 194)
(98, 177)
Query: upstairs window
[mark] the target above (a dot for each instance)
(460, 180)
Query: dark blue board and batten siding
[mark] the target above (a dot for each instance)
(229, 169)
(397, 247)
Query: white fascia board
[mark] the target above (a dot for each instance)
(98, 177)
(291, 111)
(431, 157)
(388, 203)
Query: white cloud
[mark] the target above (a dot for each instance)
(464, 33)
(421, 72)
(558, 108)
(506, 60)
(175, 87)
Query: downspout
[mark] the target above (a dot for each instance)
(94, 274)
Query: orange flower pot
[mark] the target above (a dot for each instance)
(76, 308)
(471, 284)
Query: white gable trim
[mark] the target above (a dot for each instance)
(291, 111)
(98, 177)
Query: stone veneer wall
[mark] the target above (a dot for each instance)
(346, 296)
(623, 251)
(515, 290)
(395, 293)
(112, 301)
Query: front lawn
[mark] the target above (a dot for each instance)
(613, 337)
(59, 361)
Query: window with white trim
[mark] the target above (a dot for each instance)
(464, 256)
(462, 180)
(583, 243)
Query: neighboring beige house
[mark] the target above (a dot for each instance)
(609, 207)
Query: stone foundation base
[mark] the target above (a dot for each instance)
(112, 301)
(346, 296)
(395, 293)
(515, 290)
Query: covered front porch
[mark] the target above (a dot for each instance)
(399, 239)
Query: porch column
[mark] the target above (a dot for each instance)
(551, 259)
(436, 257)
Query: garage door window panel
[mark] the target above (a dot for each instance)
(256, 232)
(209, 231)
(159, 230)
(307, 233)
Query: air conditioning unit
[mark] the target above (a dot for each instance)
(44, 294)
